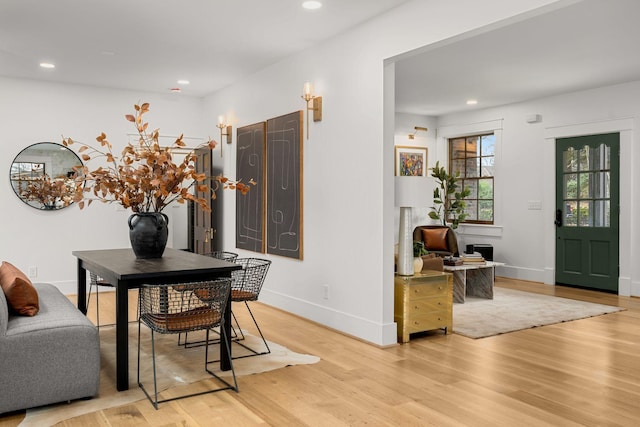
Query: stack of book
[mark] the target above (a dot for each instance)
(475, 258)
(451, 260)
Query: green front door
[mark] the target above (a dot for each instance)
(587, 211)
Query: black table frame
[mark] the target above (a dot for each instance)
(120, 268)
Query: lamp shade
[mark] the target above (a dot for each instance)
(412, 191)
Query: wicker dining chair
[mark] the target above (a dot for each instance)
(245, 287)
(96, 281)
(225, 256)
(163, 310)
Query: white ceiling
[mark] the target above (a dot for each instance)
(150, 44)
(590, 44)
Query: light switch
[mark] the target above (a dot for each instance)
(534, 205)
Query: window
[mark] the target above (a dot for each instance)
(474, 158)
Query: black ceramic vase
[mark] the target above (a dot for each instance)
(148, 232)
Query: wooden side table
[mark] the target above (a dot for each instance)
(423, 302)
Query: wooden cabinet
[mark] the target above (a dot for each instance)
(423, 302)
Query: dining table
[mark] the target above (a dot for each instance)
(121, 269)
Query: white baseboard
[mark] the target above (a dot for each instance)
(364, 329)
(522, 273)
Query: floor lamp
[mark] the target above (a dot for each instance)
(410, 191)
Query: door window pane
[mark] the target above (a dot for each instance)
(571, 186)
(570, 160)
(585, 213)
(602, 216)
(584, 158)
(607, 156)
(571, 214)
(601, 188)
(587, 193)
(584, 187)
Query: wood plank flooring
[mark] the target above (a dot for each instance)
(580, 373)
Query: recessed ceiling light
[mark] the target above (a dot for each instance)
(312, 5)
(183, 82)
(472, 101)
(47, 65)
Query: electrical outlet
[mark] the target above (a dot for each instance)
(325, 291)
(33, 272)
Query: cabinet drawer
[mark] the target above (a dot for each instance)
(433, 320)
(421, 290)
(427, 305)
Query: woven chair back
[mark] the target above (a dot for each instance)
(190, 307)
(248, 282)
(223, 255)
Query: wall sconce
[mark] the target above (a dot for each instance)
(417, 129)
(222, 125)
(314, 103)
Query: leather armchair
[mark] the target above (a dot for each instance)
(438, 239)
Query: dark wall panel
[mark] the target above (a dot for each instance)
(250, 208)
(284, 185)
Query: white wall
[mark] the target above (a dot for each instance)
(348, 168)
(525, 172)
(35, 112)
(404, 125)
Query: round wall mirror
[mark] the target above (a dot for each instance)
(42, 175)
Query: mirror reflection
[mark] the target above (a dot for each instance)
(42, 175)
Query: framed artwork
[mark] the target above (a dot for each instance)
(251, 149)
(411, 161)
(284, 219)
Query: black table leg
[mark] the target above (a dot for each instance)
(82, 288)
(225, 339)
(122, 337)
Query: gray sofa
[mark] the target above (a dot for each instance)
(51, 357)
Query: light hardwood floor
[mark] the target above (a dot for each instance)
(585, 372)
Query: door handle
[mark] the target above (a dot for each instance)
(209, 234)
(558, 221)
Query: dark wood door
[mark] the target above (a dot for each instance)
(587, 211)
(203, 231)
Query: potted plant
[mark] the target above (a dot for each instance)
(418, 251)
(448, 198)
(146, 180)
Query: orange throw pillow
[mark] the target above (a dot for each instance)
(435, 239)
(21, 295)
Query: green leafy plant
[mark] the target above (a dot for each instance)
(419, 249)
(448, 197)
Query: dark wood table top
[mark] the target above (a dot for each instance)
(123, 264)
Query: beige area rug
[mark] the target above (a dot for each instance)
(512, 310)
(176, 366)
